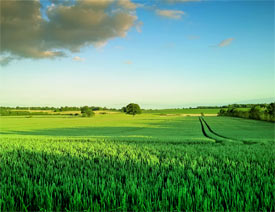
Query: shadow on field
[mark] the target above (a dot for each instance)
(174, 136)
(170, 128)
(80, 131)
(174, 132)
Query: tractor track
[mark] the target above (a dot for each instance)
(212, 131)
(233, 139)
(206, 135)
(203, 130)
(217, 137)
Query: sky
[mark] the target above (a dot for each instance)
(159, 54)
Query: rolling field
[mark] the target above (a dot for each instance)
(246, 130)
(142, 163)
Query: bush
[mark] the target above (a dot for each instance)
(87, 112)
(265, 112)
(254, 112)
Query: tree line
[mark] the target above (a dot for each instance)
(264, 112)
(6, 112)
(57, 109)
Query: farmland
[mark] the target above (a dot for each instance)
(148, 162)
(184, 111)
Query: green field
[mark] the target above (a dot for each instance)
(243, 129)
(148, 162)
(183, 111)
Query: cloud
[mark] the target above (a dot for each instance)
(193, 37)
(68, 27)
(138, 26)
(52, 54)
(172, 14)
(127, 4)
(128, 62)
(78, 59)
(225, 42)
(5, 60)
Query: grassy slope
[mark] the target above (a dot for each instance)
(145, 126)
(244, 129)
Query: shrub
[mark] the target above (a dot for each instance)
(86, 111)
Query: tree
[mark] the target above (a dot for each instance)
(254, 112)
(86, 111)
(133, 109)
(123, 109)
(222, 112)
(271, 109)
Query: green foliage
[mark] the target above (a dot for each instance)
(133, 109)
(86, 111)
(271, 109)
(222, 112)
(123, 109)
(6, 112)
(263, 112)
(254, 112)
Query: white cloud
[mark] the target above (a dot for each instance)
(225, 42)
(79, 59)
(172, 14)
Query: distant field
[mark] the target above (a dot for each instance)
(148, 162)
(183, 111)
(165, 111)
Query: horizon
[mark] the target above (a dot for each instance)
(147, 107)
(159, 54)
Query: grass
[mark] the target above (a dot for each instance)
(142, 163)
(243, 129)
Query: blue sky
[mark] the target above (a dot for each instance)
(183, 54)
